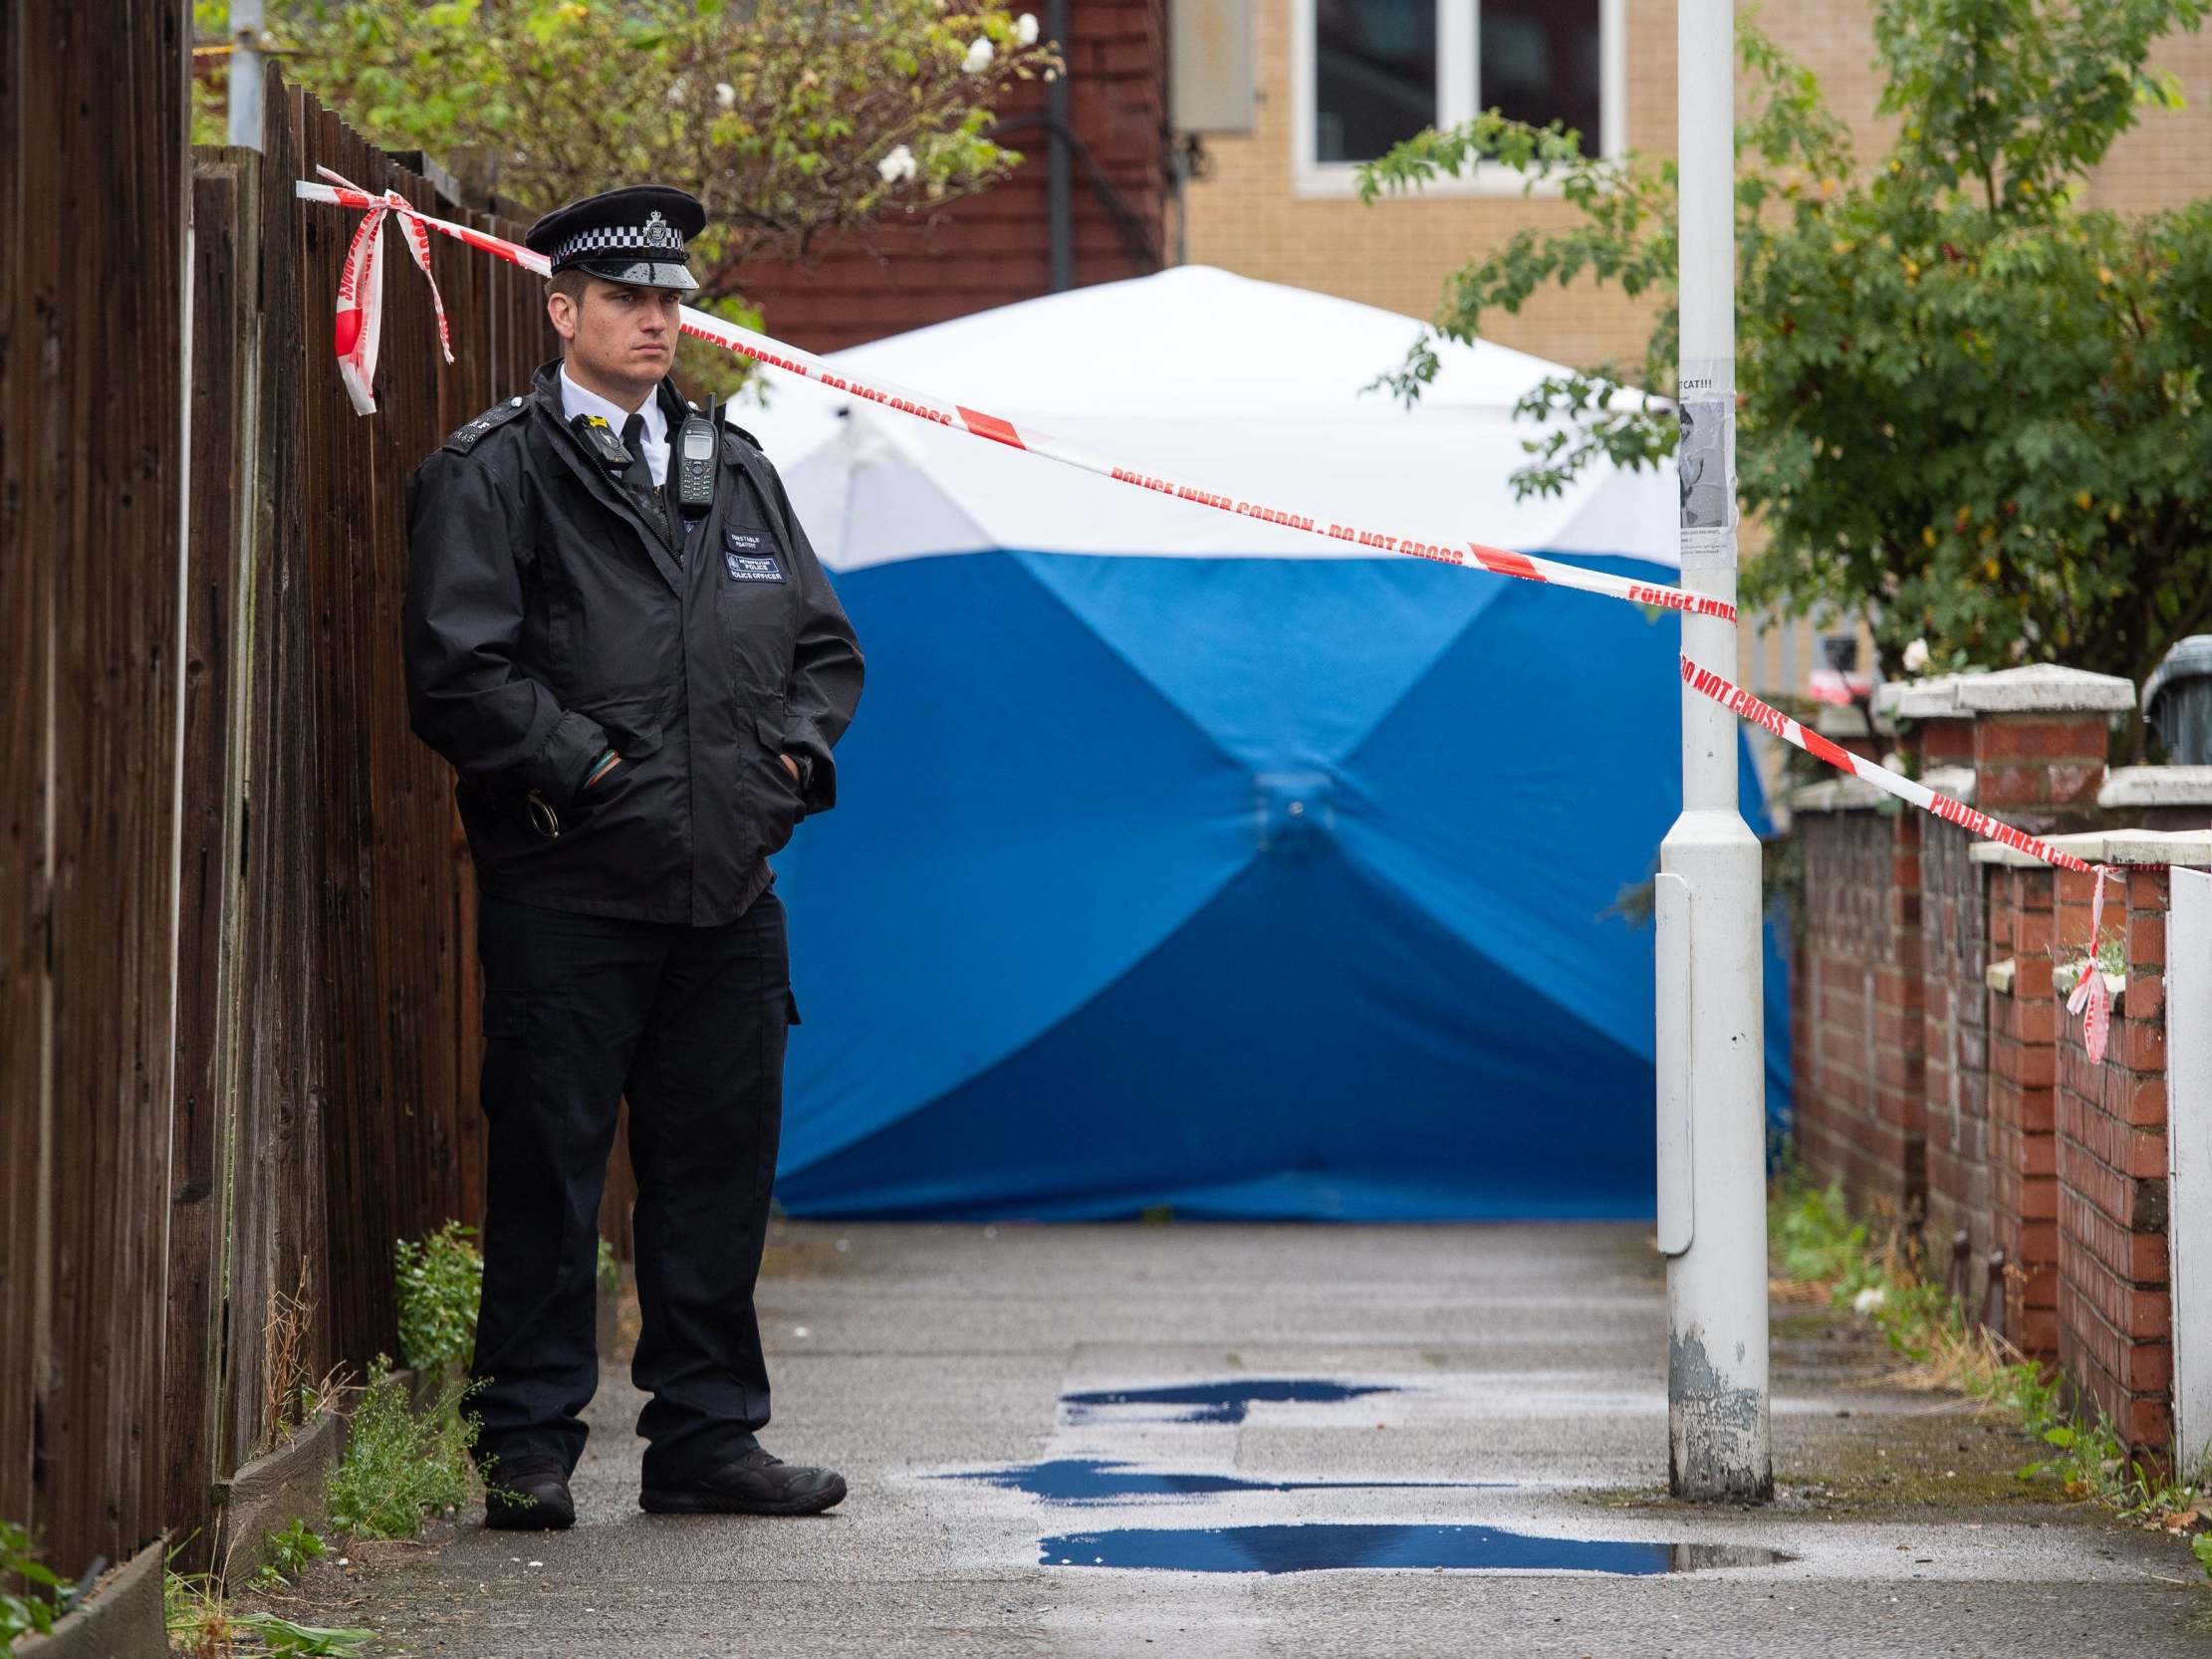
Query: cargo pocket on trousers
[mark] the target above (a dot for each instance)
(506, 1048)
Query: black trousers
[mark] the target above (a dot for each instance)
(689, 1023)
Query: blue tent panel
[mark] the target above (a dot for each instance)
(1256, 887)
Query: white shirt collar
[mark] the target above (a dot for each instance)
(575, 400)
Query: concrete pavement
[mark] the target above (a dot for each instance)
(1523, 1366)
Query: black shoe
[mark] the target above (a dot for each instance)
(529, 1495)
(755, 1484)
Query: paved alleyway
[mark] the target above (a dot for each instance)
(1525, 1358)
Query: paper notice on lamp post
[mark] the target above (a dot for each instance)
(1705, 462)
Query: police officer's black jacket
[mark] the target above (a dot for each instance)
(548, 619)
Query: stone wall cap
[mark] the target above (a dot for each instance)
(1836, 795)
(2157, 786)
(1957, 782)
(2159, 847)
(2088, 843)
(2107, 846)
(1847, 722)
(2039, 688)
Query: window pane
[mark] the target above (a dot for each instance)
(1374, 78)
(1540, 64)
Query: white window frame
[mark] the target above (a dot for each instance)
(1458, 74)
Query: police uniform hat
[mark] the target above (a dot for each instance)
(633, 235)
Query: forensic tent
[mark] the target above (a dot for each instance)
(1186, 860)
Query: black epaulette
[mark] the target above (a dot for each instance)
(464, 440)
(730, 429)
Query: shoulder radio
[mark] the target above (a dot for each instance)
(695, 459)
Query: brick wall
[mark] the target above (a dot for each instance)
(1858, 1110)
(2053, 1167)
(992, 250)
(1954, 946)
(2022, 1145)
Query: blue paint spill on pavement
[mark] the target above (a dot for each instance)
(1323, 1549)
(1220, 1402)
(1102, 1481)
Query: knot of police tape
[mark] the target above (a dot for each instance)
(359, 324)
(2092, 998)
(361, 288)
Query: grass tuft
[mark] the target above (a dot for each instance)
(400, 1464)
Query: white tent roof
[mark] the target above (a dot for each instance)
(1240, 388)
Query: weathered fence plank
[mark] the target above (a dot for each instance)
(90, 537)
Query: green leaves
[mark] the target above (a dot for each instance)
(775, 113)
(282, 1638)
(292, 1550)
(438, 1282)
(2016, 98)
(35, 1612)
(1968, 410)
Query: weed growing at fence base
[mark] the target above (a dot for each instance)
(399, 1464)
(202, 1625)
(440, 1282)
(291, 1549)
(198, 1618)
(1813, 1241)
(36, 1609)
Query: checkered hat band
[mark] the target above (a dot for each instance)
(655, 242)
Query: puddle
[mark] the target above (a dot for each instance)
(1102, 1481)
(1322, 1549)
(1219, 1402)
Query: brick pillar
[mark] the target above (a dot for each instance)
(2115, 1314)
(2041, 769)
(2034, 737)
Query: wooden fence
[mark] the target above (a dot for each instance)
(238, 1011)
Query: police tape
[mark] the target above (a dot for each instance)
(2090, 999)
(1745, 706)
(358, 328)
(360, 305)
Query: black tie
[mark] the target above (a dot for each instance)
(637, 476)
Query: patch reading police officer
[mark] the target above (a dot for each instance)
(750, 556)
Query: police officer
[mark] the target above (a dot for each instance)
(617, 634)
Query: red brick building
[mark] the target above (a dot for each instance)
(996, 248)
